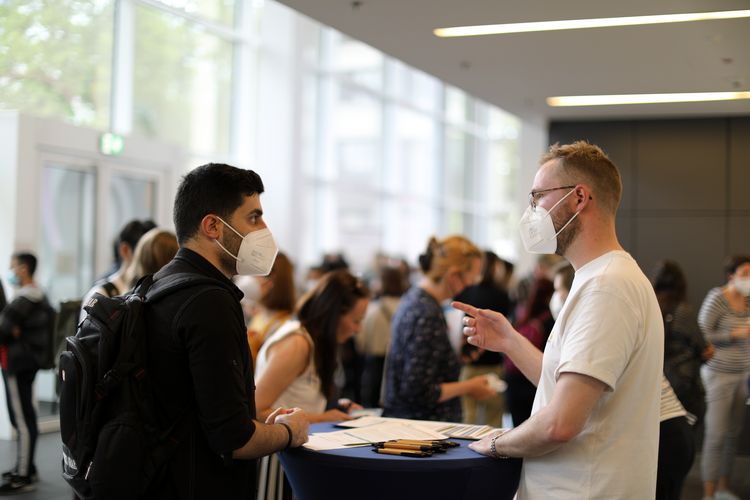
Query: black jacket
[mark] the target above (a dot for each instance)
(31, 313)
(199, 365)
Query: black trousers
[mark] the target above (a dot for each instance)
(18, 389)
(676, 454)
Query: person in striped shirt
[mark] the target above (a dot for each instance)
(724, 319)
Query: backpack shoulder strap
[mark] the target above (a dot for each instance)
(110, 288)
(162, 287)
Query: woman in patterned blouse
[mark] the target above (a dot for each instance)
(422, 369)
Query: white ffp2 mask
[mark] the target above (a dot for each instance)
(537, 229)
(257, 252)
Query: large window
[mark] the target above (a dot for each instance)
(56, 59)
(368, 153)
(422, 157)
(181, 83)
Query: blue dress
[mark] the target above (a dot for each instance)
(420, 359)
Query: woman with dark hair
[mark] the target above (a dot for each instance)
(685, 349)
(422, 369)
(533, 321)
(682, 391)
(489, 293)
(724, 318)
(276, 303)
(296, 364)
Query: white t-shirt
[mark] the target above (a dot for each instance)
(611, 329)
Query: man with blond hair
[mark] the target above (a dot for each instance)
(594, 428)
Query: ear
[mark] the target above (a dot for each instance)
(210, 227)
(125, 251)
(583, 196)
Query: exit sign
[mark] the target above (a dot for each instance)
(111, 144)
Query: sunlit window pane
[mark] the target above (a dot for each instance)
(355, 60)
(182, 83)
(215, 10)
(55, 59)
(356, 136)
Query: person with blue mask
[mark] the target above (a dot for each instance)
(24, 340)
(594, 426)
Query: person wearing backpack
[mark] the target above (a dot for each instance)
(24, 345)
(199, 362)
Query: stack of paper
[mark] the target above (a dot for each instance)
(370, 429)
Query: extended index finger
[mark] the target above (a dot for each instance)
(468, 309)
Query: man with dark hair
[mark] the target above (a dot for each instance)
(199, 360)
(594, 427)
(24, 339)
(114, 283)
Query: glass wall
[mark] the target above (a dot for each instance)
(382, 154)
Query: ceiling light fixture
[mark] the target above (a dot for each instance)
(575, 24)
(608, 100)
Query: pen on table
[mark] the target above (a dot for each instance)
(407, 446)
(402, 453)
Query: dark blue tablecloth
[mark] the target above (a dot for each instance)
(358, 473)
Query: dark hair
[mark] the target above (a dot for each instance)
(392, 282)
(333, 262)
(669, 279)
(489, 262)
(733, 262)
(568, 274)
(538, 301)
(130, 234)
(26, 259)
(320, 310)
(214, 188)
(281, 295)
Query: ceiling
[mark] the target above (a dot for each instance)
(519, 71)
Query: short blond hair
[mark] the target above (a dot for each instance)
(585, 162)
(441, 255)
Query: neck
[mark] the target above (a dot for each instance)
(205, 250)
(26, 281)
(594, 241)
(438, 291)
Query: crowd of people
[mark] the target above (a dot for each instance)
(610, 374)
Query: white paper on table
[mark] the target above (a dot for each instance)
(447, 429)
(331, 440)
(386, 431)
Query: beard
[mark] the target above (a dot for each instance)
(566, 237)
(232, 243)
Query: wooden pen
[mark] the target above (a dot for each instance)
(405, 446)
(402, 453)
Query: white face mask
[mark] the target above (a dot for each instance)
(538, 231)
(555, 305)
(742, 285)
(257, 252)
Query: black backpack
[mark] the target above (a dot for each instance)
(113, 446)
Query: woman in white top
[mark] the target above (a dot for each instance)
(296, 364)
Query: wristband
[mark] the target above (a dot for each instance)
(289, 431)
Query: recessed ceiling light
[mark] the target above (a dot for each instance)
(575, 24)
(605, 100)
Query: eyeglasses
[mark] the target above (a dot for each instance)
(535, 195)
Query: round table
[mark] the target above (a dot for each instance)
(358, 473)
